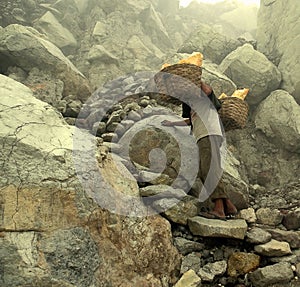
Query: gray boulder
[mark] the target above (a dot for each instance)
(278, 38)
(56, 33)
(273, 274)
(26, 47)
(278, 117)
(45, 209)
(212, 44)
(248, 68)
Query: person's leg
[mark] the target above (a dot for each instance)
(210, 173)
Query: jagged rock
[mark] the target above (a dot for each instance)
(278, 38)
(46, 87)
(152, 23)
(56, 33)
(218, 228)
(187, 246)
(235, 186)
(189, 279)
(240, 263)
(248, 214)
(30, 127)
(258, 236)
(161, 190)
(273, 274)
(292, 220)
(273, 248)
(99, 54)
(218, 81)
(269, 216)
(292, 259)
(73, 108)
(48, 207)
(278, 116)
(178, 211)
(192, 261)
(292, 237)
(38, 52)
(147, 176)
(251, 69)
(209, 271)
(212, 44)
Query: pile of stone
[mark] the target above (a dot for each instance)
(260, 247)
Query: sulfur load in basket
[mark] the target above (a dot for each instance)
(233, 113)
(186, 76)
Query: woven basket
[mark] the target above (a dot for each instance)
(233, 113)
(189, 75)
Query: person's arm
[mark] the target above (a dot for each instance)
(184, 122)
(207, 89)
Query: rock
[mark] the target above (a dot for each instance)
(235, 186)
(38, 52)
(248, 214)
(273, 248)
(134, 116)
(33, 130)
(146, 176)
(212, 44)
(178, 211)
(292, 259)
(292, 237)
(218, 81)
(209, 271)
(73, 109)
(278, 37)
(278, 116)
(251, 69)
(56, 217)
(99, 54)
(192, 261)
(189, 279)
(240, 263)
(152, 23)
(218, 228)
(273, 274)
(71, 262)
(46, 87)
(258, 236)
(161, 190)
(269, 216)
(292, 220)
(56, 33)
(187, 246)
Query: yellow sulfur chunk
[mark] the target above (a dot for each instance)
(241, 94)
(196, 59)
(222, 96)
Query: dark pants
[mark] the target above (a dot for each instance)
(210, 171)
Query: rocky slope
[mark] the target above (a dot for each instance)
(94, 192)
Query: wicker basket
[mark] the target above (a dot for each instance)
(188, 75)
(233, 113)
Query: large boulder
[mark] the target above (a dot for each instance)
(60, 36)
(53, 230)
(278, 117)
(278, 38)
(26, 48)
(212, 44)
(248, 68)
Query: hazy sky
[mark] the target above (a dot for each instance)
(186, 2)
